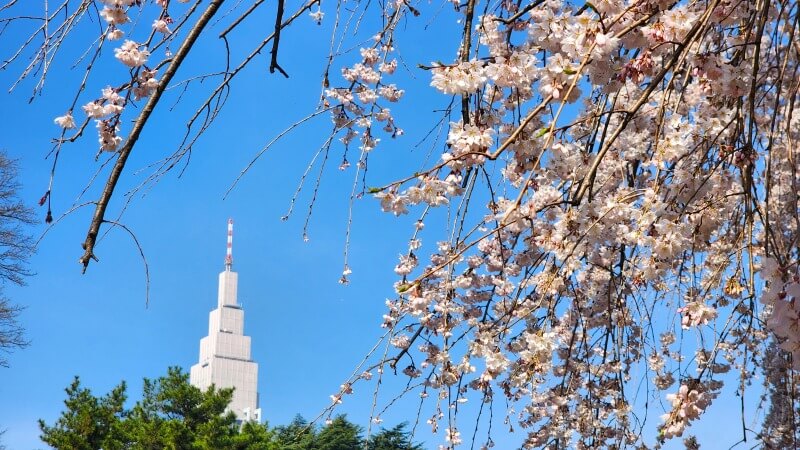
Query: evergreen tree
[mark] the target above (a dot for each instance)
(255, 436)
(175, 414)
(298, 435)
(172, 414)
(90, 422)
(397, 438)
(340, 434)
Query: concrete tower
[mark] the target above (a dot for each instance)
(225, 359)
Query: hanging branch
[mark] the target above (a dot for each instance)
(125, 151)
(273, 63)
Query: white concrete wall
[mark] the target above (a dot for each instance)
(227, 319)
(241, 375)
(227, 294)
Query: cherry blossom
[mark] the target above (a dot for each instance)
(688, 404)
(317, 16)
(162, 26)
(108, 138)
(696, 314)
(130, 54)
(66, 121)
(114, 16)
(115, 34)
(146, 83)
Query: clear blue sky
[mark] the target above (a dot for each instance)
(308, 331)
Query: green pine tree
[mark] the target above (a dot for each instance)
(340, 434)
(90, 422)
(298, 435)
(172, 415)
(397, 438)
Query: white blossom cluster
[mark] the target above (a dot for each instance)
(467, 143)
(360, 106)
(598, 219)
(465, 78)
(688, 404)
(131, 55)
(108, 109)
(782, 296)
(695, 314)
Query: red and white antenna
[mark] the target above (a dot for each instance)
(229, 254)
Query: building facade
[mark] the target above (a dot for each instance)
(225, 359)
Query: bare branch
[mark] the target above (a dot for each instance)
(124, 152)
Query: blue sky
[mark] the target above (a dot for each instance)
(308, 330)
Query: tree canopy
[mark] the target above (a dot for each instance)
(618, 179)
(89, 422)
(173, 414)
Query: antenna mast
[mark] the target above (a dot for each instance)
(229, 254)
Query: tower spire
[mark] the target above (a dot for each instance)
(225, 357)
(229, 254)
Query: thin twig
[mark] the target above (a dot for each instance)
(144, 259)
